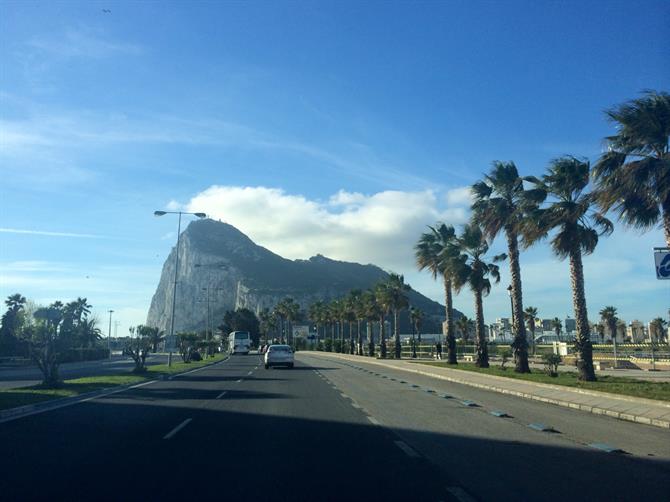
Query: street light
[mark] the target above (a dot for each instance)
(176, 269)
(109, 334)
(511, 304)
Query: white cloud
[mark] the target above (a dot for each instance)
(50, 234)
(379, 228)
(79, 44)
(459, 196)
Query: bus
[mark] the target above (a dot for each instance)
(239, 342)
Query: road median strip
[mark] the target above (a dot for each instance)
(51, 399)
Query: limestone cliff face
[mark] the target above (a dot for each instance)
(238, 273)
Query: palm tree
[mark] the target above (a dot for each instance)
(416, 319)
(530, 314)
(464, 325)
(577, 228)
(315, 313)
(350, 316)
(557, 326)
(475, 272)
(384, 302)
(280, 312)
(396, 290)
(608, 315)
(11, 322)
(500, 206)
(268, 323)
(360, 313)
(632, 177)
(657, 329)
(337, 312)
(372, 312)
(435, 251)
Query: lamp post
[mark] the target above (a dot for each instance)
(511, 304)
(176, 269)
(109, 334)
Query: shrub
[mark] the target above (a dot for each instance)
(504, 357)
(551, 362)
(195, 356)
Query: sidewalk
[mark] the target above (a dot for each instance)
(633, 409)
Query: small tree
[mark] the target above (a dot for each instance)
(551, 362)
(504, 357)
(187, 345)
(45, 342)
(138, 346)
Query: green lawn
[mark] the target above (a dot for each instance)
(11, 398)
(615, 385)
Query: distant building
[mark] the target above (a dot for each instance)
(569, 325)
(636, 332)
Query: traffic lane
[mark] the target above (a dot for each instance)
(302, 441)
(167, 440)
(578, 426)
(26, 377)
(468, 441)
(61, 454)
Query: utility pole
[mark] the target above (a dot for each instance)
(109, 334)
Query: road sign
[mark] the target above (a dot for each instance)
(662, 258)
(171, 343)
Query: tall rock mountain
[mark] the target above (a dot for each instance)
(239, 273)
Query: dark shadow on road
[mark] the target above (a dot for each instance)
(62, 455)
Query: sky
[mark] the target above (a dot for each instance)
(340, 128)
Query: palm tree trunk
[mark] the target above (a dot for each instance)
(351, 338)
(583, 347)
(382, 339)
(342, 351)
(482, 349)
(520, 344)
(371, 339)
(451, 339)
(396, 335)
(359, 351)
(613, 330)
(666, 221)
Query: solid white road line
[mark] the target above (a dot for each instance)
(221, 395)
(174, 431)
(407, 449)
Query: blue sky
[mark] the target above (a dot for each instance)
(335, 127)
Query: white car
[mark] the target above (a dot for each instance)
(278, 355)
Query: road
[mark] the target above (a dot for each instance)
(325, 430)
(13, 377)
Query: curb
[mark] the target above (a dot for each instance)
(566, 404)
(53, 404)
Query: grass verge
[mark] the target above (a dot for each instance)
(12, 398)
(605, 383)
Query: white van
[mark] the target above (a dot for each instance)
(239, 342)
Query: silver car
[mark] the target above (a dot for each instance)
(279, 355)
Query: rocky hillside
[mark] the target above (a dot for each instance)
(239, 273)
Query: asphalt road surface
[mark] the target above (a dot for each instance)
(13, 377)
(322, 431)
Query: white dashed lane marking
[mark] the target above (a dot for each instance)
(221, 395)
(409, 451)
(174, 431)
